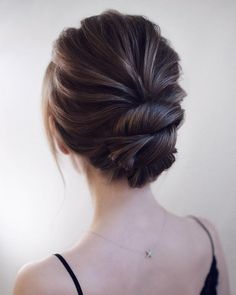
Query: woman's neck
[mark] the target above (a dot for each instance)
(120, 210)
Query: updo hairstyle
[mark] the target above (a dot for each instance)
(111, 89)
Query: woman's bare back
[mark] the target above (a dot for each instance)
(179, 265)
(183, 255)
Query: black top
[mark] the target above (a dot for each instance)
(210, 284)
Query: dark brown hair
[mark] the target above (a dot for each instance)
(112, 91)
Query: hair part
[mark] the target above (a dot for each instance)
(112, 91)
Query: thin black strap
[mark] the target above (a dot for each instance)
(207, 231)
(75, 280)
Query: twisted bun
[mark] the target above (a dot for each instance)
(112, 90)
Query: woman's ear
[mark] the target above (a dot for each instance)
(59, 142)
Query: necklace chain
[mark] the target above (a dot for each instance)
(148, 252)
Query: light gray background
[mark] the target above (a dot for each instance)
(35, 218)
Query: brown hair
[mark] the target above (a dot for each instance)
(111, 89)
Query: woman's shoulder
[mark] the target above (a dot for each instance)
(210, 233)
(198, 225)
(38, 277)
(204, 236)
(191, 240)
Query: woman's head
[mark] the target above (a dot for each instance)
(111, 91)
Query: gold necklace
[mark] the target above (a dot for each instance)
(148, 253)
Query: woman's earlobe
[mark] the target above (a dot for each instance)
(62, 147)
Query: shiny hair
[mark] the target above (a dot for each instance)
(111, 89)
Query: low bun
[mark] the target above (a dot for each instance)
(112, 90)
(144, 156)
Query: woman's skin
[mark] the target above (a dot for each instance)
(134, 219)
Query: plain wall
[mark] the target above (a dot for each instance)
(36, 217)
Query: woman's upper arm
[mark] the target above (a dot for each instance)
(223, 287)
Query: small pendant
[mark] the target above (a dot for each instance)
(148, 253)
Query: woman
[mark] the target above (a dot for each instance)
(112, 103)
